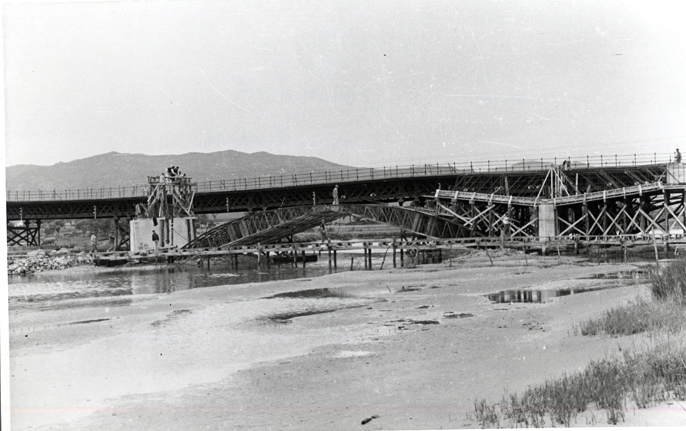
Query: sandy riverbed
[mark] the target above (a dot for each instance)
(414, 348)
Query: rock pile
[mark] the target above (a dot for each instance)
(40, 260)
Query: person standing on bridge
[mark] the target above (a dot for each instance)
(506, 226)
(677, 156)
(322, 229)
(335, 195)
(156, 240)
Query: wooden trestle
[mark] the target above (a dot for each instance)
(639, 211)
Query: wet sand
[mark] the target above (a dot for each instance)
(406, 348)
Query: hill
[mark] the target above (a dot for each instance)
(117, 169)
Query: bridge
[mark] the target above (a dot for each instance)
(590, 197)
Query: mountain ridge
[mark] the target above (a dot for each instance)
(114, 169)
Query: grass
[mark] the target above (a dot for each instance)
(638, 377)
(636, 317)
(669, 284)
(609, 386)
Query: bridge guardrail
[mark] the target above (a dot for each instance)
(350, 175)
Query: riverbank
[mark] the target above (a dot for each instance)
(399, 349)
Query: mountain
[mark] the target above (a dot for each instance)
(117, 169)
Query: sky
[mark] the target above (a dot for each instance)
(361, 83)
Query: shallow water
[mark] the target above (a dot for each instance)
(50, 289)
(539, 296)
(534, 296)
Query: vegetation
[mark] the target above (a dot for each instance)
(639, 377)
(636, 317)
(609, 385)
(669, 284)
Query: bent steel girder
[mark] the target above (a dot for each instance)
(417, 221)
(266, 227)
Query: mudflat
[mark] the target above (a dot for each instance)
(384, 349)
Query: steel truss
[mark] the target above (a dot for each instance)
(266, 227)
(24, 235)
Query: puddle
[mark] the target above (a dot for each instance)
(82, 322)
(536, 296)
(287, 317)
(453, 315)
(311, 293)
(636, 274)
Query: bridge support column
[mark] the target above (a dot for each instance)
(394, 250)
(115, 246)
(547, 221)
(38, 223)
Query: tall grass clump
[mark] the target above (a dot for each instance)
(606, 387)
(635, 318)
(667, 310)
(669, 283)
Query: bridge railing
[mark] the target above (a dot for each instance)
(352, 175)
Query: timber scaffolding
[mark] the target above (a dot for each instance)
(397, 252)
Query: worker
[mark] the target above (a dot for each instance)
(677, 156)
(322, 229)
(335, 195)
(94, 243)
(506, 226)
(155, 239)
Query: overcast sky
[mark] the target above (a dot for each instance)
(364, 83)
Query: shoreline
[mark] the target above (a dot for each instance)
(415, 347)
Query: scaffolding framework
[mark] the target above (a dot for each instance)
(170, 198)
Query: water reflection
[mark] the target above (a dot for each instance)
(533, 296)
(149, 280)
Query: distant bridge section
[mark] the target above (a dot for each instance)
(525, 184)
(363, 185)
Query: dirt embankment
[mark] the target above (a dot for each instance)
(395, 349)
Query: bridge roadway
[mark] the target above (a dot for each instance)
(525, 179)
